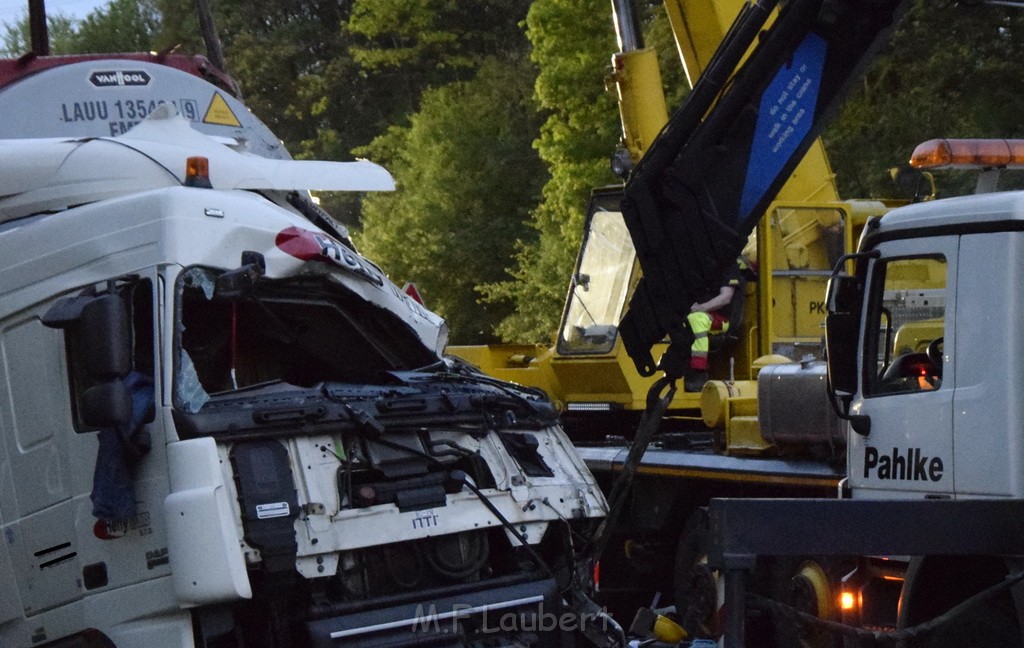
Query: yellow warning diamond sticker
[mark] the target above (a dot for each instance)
(220, 113)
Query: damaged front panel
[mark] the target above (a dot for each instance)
(368, 475)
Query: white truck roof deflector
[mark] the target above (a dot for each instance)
(51, 175)
(166, 137)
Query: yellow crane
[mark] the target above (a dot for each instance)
(587, 371)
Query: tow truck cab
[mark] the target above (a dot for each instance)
(934, 376)
(921, 345)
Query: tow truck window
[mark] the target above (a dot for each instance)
(906, 325)
(600, 286)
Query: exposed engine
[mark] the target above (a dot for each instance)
(481, 514)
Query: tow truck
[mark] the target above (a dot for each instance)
(220, 425)
(934, 505)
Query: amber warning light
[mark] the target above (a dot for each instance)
(197, 172)
(969, 154)
(846, 601)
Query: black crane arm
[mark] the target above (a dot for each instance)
(696, 195)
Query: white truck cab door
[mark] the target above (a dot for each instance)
(988, 409)
(906, 373)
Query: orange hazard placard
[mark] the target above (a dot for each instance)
(220, 113)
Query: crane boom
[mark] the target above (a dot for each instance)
(697, 194)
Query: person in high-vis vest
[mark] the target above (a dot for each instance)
(706, 318)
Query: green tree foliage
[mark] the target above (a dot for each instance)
(458, 100)
(467, 177)
(17, 39)
(118, 26)
(440, 40)
(951, 71)
(395, 49)
(572, 45)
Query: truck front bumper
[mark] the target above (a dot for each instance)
(525, 614)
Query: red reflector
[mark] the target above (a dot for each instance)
(414, 292)
(597, 576)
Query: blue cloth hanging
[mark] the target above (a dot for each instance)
(120, 451)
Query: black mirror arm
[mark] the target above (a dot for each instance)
(238, 282)
(861, 424)
(840, 402)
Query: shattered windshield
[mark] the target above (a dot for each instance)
(302, 331)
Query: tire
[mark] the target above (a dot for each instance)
(694, 589)
(804, 584)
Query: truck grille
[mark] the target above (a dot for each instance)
(406, 566)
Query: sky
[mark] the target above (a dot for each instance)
(12, 10)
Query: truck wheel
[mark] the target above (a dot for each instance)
(934, 585)
(806, 586)
(694, 587)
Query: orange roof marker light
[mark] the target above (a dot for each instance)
(197, 172)
(969, 154)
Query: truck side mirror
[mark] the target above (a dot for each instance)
(106, 333)
(842, 326)
(844, 294)
(238, 282)
(103, 326)
(108, 404)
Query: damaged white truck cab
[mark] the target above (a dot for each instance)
(222, 426)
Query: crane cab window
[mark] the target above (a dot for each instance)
(906, 326)
(601, 284)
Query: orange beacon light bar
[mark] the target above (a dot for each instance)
(969, 154)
